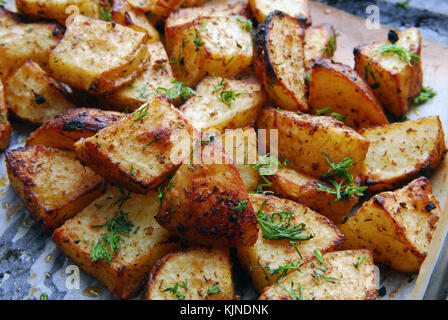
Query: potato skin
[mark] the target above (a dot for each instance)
(147, 242)
(414, 148)
(298, 9)
(159, 9)
(65, 129)
(53, 185)
(136, 151)
(33, 96)
(354, 283)
(201, 204)
(206, 111)
(5, 126)
(119, 54)
(395, 83)
(200, 268)
(397, 226)
(275, 253)
(56, 9)
(290, 184)
(279, 60)
(303, 138)
(338, 87)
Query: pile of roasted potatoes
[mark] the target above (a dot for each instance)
(178, 139)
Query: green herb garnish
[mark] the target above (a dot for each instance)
(329, 50)
(403, 4)
(292, 291)
(324, 111)
(174, 290)
(229, 96)
(180, 89)
(213, 289)
(403, 54)
(425, 95)
(360, 261)
(246, 24)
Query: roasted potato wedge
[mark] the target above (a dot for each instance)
(5, 126)
(288, 183)
(33, 41)
(320, 42)
(298, 9)
(397, 226)
(65, 129)
(241, 145)
(303, 139)
(337, 88)
(145, 243)
(159, 9)
(275, 253)
(208, 202)
(393, 80)
(180, 19)
(156, 74)
(57, 9)
(53, 185)
(344, 281)
(224, 104)
(99, 56)
(220, 46)
(194, 3)
(138, 151)
(400, 152)
(33, 96)
(198, 274)
(124, 14)
(279, 60)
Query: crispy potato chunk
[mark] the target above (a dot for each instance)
(320, 42)
(56, 9)
(275, 253)
(33, 41)
(159, 9)
(5, 126)
(124, 14)
(224, 104)
(344, 280)
(53, 185)
(198, 274)
(157, 74)
(218, 45)
(99, 56)
(337, 88)
(65, 129)
(147, 241)
(303, 139)
(180, 19)
(400, 152)
(303, 189)
(33, 96)
(394, 81)
(397, 225)
(298, 9)
(208, 202)
(138, 151)
(279, 60)
(241, 145)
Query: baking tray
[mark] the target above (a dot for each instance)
(31, 265)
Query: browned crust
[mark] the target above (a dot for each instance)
(5, 126)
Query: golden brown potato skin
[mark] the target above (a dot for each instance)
(397, 226)
(298, 9)
(65, 129)
(200, 268)
(99, 56)
(5, 126)
(279, 60)
(275, 253)
(353, 284)
(147, 242)
(33, 96)
(53, 185)
(336, 86)
(403, 151)
(136, 152)
(395, 83)
(288, 183)
(200, 206)
(56, 9)
(303, 138)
